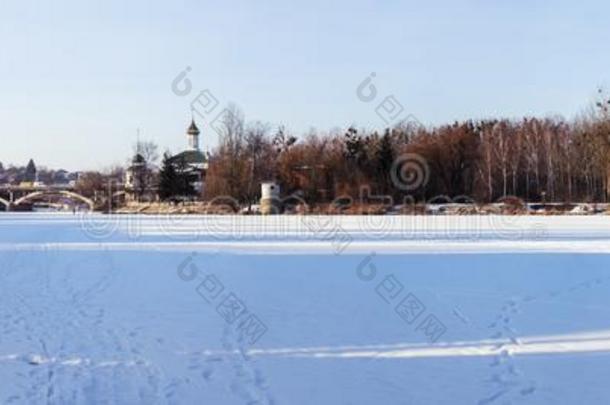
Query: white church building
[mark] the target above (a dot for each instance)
(192, 162)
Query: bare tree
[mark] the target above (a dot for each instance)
(228, 171)
(501, 141)
(603, 135)
(486, 134)
(149, 150)
(260, 156)
(145, 156)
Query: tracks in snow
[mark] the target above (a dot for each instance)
(507, 381)
(54, 305)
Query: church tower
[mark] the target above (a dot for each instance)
(193, 136)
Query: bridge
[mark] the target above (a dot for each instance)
(12, 196)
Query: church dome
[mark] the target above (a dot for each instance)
(138, 159)
(193, 130)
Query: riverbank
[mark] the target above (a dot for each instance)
(203, 208)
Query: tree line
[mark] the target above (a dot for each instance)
(535, 159)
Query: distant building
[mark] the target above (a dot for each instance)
(73, 178)
(133, 172)
(61, 177)
(138, 180)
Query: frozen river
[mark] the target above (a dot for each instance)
(290, 310)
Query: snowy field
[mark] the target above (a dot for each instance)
(313, 310)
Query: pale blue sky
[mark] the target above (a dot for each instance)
(78, 78)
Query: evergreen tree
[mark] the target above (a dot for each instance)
(30, 171)
(385, 159)
(185, 187)
(169, 181)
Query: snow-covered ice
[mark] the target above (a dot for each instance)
(304, 310)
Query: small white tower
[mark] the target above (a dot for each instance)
(270, 198)
(193, 136)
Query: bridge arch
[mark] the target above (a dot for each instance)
(74, 196)
(4, 202)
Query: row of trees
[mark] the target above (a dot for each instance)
(535, 159)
